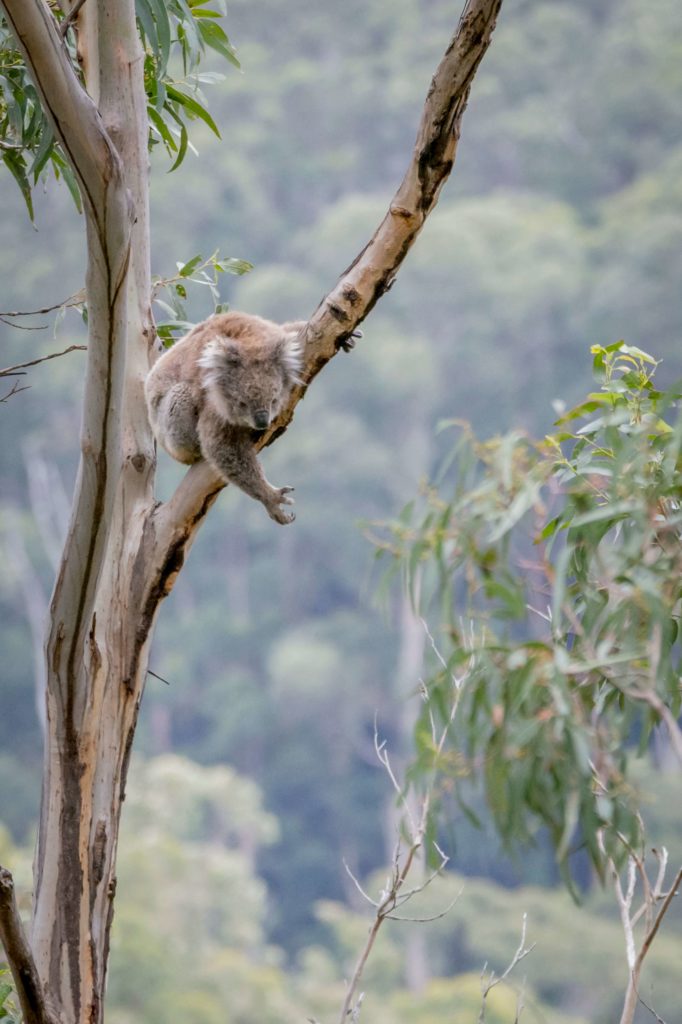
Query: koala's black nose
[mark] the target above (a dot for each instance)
(261, 418)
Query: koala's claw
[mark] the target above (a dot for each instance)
(348, 344)
(276, 512)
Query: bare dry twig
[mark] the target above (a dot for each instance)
(14, 390)
(70, 18)
(394, 895)
(73, 300)
(11, 371)
(489, 983)
(653, 908)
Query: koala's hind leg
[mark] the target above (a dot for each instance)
(174, 421)
(230, 451)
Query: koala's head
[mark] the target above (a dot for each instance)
(249, 384)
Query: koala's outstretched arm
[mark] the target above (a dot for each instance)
(230, 451)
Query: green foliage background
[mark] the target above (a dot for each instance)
(561, 228)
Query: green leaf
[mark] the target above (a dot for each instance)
(162, 129)
(193, 106)
(163, 30)
(182, 146)
(234, 266)
(146, 19)
(215, 38)
(611, 510)
(60, 165)
(187, 268)
(43, 152)
(16, 165)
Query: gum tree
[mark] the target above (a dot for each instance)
(85, 87)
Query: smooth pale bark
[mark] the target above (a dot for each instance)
(124, 551)
(91, 700)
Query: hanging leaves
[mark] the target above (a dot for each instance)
(554, 568)
(176, 36)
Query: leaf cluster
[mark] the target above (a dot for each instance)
(198, 271)
(27, 144)
(176, 36)
(180, 32)
(556, 567)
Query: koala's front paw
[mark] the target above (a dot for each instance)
(280, 496)
(348, 344)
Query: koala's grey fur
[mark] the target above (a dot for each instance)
(231, 375)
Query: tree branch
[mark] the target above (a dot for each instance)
(10, 370)
(20, 958)
(374, 269)
(70, 18)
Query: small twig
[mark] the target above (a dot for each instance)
(22, 327)
(520, 1005)
(357, 885)
(14, 390)
(384, 760)
(22, 965)
(652, 895)
(11, 370)
(156, 676)
(70, 18)
(520, 954)
(73, 300)
(433, 917)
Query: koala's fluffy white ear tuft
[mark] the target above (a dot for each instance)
(220, 356)
(219, 353)
(290, 353)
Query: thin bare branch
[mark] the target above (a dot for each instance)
(357, 885)
(157, 676)
(382, 755)
(426, 920)
(70, 18)
(652, 896)
(74, 300)
(22, 327)
(11, 370)
(14, 390)
(665, 905)
(520, 954)
(29, 990)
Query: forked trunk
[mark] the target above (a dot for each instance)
(96, 654)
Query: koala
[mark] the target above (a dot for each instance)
(230, 376)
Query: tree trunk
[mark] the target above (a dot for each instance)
(96, 662)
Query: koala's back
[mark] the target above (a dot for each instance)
(181, 362)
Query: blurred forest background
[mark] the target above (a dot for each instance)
(256, 775)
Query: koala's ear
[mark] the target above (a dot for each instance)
(219, 354)
(290, 355)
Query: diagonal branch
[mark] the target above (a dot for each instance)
(373, 271)
(29, 989)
